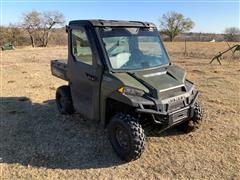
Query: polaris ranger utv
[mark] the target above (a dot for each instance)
(120, 76)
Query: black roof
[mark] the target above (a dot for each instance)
(113, 23)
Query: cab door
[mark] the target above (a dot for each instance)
(84, 71)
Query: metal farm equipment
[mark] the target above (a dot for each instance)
(219, 56)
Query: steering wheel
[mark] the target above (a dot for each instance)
(114, 46)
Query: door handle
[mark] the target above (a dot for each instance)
(91, 77)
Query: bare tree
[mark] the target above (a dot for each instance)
(31, 22)
(232, 34)
(39, 25)
(48, 21)
(173, 23)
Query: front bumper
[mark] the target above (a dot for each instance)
(171, 118)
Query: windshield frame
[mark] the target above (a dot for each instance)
(108, 63)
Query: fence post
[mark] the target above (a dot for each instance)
(185, 47)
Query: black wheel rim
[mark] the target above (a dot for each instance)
(122, 137)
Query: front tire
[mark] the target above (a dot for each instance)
(126, 136)
(64, 100)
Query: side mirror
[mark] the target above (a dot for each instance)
(66, 29)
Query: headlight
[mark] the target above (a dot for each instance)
(131, 91)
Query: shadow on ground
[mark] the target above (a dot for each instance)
(37, 135)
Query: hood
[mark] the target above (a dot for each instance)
(163, 78)
(157, 80)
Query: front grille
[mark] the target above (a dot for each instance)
(172, 92)
(175, 106)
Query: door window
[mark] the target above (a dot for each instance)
(81, 49)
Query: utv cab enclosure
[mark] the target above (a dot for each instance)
(120, 76)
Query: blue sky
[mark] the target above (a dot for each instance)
(208, 15)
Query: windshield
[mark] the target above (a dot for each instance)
(133, 48)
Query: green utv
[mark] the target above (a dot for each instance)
(120, 76)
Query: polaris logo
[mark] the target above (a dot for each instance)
(176, 99)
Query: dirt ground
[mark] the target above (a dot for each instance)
(36, 142)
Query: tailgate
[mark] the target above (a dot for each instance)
(59, 69)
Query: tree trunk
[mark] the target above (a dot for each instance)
(43, 38)
(46, 39)
(48, 31)
(32, 40)
(171, 37)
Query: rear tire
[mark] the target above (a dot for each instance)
(64, 100)
(126, 136)
(194, 123)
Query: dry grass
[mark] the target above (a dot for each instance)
(38, 143)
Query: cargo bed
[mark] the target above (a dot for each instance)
(59, 69)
